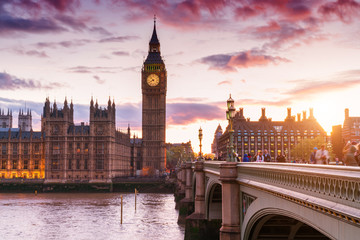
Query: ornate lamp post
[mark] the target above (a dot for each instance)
(230, 114)
(200, 138)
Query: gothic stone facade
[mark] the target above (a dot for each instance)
(84, 153)
(22, 150)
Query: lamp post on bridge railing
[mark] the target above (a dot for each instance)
(200, 138)
(230, 114)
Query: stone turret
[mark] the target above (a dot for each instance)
(263, 116)
(57, 119)
(5, 119)
(289, 117)
(25, 120)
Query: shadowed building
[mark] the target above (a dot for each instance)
(337, 141)
(349, 132)
(214, 145)
(351, 128)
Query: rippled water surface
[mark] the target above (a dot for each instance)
(88, 216)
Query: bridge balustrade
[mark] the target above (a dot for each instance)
(331, 193)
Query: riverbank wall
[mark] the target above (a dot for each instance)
(120, 185)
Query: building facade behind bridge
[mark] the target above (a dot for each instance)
(278, 137)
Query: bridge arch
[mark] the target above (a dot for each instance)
(213, 201)
(276, 223)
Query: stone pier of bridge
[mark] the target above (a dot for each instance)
(192, 209)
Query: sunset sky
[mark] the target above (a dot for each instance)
(267, 53)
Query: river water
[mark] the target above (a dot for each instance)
(88, 216)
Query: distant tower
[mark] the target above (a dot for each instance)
(153, 84)
(5, 119)
(25, 120)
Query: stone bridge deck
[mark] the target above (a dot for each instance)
(273, 200)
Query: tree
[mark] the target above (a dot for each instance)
(209, 156)
(304, 148)
(177, 154)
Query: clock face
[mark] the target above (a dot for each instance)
(153, 80)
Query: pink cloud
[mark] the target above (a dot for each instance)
(271, 27)
(186, 113)
(245, 59)
(120, 53)
(249, 59)
(345, 10)
(226, 82)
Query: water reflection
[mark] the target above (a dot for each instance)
(88, 216)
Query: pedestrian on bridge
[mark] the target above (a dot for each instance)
(322, 156)
(267, 157)
(246, 158)
(349, 151)
(312, 156)
(280, 158)
(259, 157)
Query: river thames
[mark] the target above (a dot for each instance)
(88, 216)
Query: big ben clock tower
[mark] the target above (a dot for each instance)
(153, 85)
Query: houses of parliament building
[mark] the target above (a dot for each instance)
(96, 152)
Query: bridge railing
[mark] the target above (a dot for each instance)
(331, 189)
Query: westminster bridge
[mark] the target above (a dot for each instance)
(227, 200)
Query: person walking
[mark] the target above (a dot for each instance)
(280, 158)
(322, 156)
(246, 158)
(259, 157)
(267, 157)
(312, 156)
(349, 151)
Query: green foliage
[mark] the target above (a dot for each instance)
(177, 154)
(304, 148)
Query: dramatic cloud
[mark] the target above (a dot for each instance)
(120, 53)
(84, 69)
(314, 88)
(100, 30)
(246, 59)
(226, 82)
(65, 44)
(32, 53)
(291, 22)
(43, 16)
(8, 24)
(99, 80)
(71, 22)
(307, 89)
(185, 113)
(345, 10)
(8, 82)
(29, 11)
(119, 39)
(62, 5)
